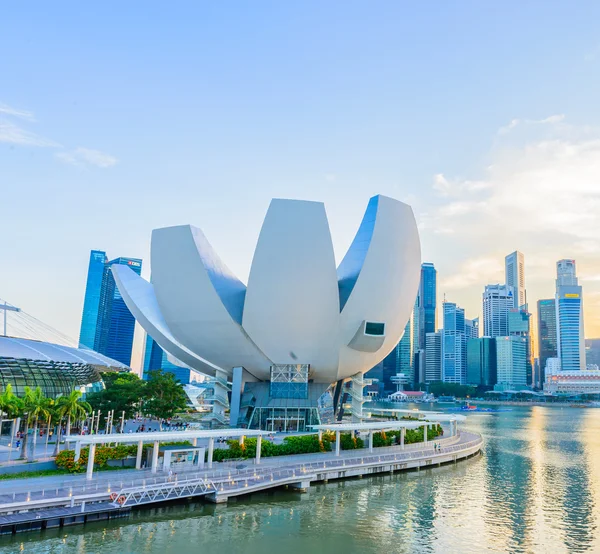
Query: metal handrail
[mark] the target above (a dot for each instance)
(69, 492)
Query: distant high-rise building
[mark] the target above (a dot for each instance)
(406, 352)
(472, 328)
(390, 366)
(481, 361)
(497, 301)
(519, 326)
(514, 265)
(566, 273)
(592, 352)
(569, 317)
(433, 357)
(156, 358)
(105, 316)
(91, 301)
(427, 301)
(546, 322)
(511, 362)
(454, 344)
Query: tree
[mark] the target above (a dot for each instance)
(123, 392)
(9, 405)
(37, 408)
(72, 408)
(165, 395)
(439, 388)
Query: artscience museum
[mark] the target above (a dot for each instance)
(281, 347)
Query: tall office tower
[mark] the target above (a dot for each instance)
(519, 326)
(416, 325)
(546, 322)
(511, 362)
(566, 273)
(419, 367)
(481, 361)
(433, 357)
(569, 317)
(514, 265)
(105, 316)
(472, 328)
(156, 358)
(390, 367)
(91, 301)
(454, 344)
(497, 301)
(406, 352)
(592, 352)
(427, 303)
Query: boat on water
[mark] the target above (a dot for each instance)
(446, 399)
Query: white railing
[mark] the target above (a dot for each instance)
(76, 491)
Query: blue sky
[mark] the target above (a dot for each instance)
(116, 118)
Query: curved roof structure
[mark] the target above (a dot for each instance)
(297, 308)
(57, 369)
(27, 349)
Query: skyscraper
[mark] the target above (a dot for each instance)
(433, 357)
(105, 316)
(497, 301)
(472, 328)
(91, 301)
(566, 273)
(514, 265)
(156, 358)
(519, 326)
(427, 303)
(406, 352)
(546, 318)
(511, 362)
(481, 361)
(569, 317)
(454, 345)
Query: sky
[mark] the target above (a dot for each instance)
(120, 117)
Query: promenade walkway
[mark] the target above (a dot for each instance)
(234, 478)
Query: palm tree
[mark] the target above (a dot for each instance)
(9, 405)
(73, 408)
(37, 407)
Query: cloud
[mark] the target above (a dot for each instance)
(14, 112)
(541, 197)
(87, 156)
(13, 134)
(553, 119)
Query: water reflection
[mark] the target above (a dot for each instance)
(535, 489)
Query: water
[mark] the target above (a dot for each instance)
(535, 489)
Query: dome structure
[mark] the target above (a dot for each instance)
(298, 307)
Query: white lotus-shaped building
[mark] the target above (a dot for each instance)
(297, 309)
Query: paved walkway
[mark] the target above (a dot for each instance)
(68, 486)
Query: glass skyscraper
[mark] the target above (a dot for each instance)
(511, 360)
(427, 303)
(454, 345)
(569, 317)
(481, 361)
(156, 358)
(546, 312)
(91, 302)
(107, 325)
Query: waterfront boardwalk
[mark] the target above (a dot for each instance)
(39, 499)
